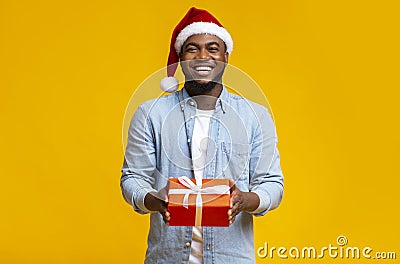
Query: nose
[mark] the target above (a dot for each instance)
(203, 54)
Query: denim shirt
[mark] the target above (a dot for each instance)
(242, 146)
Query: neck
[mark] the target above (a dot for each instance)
(205, 99)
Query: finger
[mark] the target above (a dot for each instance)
(231, 182)
(166, 221)
(167, 216)
(234, 198)
(234, 193)
(232, 220)
(235, 210)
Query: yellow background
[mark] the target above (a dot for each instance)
(68, 68)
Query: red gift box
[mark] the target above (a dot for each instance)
(192, 205)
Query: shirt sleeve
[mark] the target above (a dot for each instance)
(262, 206)
(266, 179)
(139, 162)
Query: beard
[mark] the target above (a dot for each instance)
(202, 87)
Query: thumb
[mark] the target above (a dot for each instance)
(232, 185)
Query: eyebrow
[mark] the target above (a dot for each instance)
(212, 43)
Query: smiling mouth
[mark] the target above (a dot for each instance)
(203, 70)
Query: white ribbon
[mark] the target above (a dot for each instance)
(196, 189)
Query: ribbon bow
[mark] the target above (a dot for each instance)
(197, 189)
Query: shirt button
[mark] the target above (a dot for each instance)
(188, 140)
(187, 244)
(191, 103)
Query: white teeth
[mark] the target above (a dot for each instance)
(203, 68)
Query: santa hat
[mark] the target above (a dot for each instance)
(196, 21)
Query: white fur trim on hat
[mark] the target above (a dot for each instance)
(203, 28)
(169, 84)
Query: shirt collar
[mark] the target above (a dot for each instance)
(222, 100)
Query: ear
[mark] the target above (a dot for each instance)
(226, 57)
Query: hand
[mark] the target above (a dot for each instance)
(241, 201)
(158, 201)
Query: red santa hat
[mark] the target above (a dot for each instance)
(196, 21)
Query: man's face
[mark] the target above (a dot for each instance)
(203, 58)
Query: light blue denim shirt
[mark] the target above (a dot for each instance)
(242, 146)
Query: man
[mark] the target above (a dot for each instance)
(201, 132)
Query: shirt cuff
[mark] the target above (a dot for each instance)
(264, 203)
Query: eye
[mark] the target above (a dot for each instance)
(213, 49)
(191, 49)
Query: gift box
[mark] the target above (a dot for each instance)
(203, 204)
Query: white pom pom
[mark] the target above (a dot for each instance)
(169, 84)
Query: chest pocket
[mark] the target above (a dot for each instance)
(235, 158)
